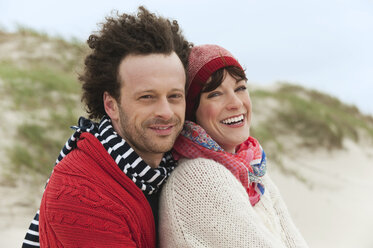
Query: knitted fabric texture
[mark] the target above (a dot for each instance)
(248, 164)
(203, 205)
(145, 177)
(89, 202)
(204, 60)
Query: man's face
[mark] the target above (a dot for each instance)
(150, 113)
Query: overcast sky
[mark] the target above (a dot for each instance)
(321, 44)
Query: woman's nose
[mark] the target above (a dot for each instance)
(234, 102)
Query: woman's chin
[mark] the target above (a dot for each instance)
(231, 146)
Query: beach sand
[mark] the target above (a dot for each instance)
(17, 209)
(334, 208)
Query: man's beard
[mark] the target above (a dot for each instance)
(141, 137)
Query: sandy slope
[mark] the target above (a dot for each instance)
(334, 209)
(17, 208)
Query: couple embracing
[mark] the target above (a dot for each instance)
(171, 162)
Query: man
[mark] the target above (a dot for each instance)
(103, 190)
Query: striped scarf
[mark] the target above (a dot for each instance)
(146, 178)
(248, 164)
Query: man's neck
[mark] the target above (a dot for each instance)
(152, 159)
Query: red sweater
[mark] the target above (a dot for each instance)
(90, 202)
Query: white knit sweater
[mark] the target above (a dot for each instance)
(204, 205)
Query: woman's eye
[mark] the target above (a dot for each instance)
(241, 88)
(213, 94)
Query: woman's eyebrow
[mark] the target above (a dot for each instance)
(241, 79)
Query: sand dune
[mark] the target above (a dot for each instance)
(335, 208)
(17, 208)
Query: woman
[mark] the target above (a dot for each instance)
(220, 194)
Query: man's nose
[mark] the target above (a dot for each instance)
(163, 109)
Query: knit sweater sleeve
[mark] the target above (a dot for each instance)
(204, 205)
(75, 212)
(289, 232)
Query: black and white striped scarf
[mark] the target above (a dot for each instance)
(146, 178)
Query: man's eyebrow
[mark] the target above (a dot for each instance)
(139, 92)
(177, 89)
(144, 91)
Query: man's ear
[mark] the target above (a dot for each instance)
(111, 106)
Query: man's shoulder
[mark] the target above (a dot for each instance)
(86, 181)
(88, 152)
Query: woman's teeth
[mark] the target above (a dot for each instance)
(233, 120)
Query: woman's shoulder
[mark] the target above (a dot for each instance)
(200, 165)
(202, 169)
(202, 175)
(198, 194)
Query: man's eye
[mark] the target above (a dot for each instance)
(146, 97)
(176, 96)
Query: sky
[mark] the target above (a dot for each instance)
(320, 44)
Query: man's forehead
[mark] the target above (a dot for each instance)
(147, 67)
(154, 73)
(134, 58)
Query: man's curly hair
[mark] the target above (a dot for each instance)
(121, 35)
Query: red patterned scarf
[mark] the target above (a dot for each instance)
(248, 164)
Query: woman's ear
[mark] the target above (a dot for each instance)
(111, 106)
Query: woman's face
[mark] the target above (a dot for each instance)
(225, 113)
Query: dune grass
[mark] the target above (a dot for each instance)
(35, 151)
(312, 119)
(49, 99)
(321, 120)
(33, 87)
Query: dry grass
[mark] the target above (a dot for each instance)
(43, 88)
(305, 119)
